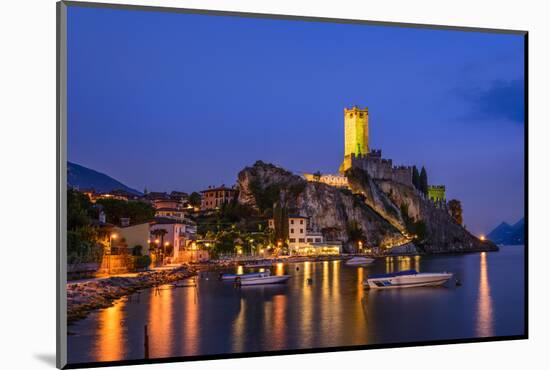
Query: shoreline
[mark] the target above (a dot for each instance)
(86, 296)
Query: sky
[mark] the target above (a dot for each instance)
(169, 101)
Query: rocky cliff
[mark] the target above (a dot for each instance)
(384, 210)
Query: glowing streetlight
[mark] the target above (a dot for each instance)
(482, 238)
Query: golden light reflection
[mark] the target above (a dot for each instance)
(389, 265)
(240, 269)
(417, 263)
(279, 269)
(111, 342)
(485, 303)
(360, 278)
(239, 328)
(307, 323)
(190, 322)
(274, 321)
(404, 263)
(160, 323)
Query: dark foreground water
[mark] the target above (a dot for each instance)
(334, 310)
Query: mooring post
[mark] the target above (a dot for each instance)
(145, 342)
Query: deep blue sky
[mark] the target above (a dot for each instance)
(179, 102)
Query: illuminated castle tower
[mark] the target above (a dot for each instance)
(356, 135)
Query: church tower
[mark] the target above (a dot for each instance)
(356, 134)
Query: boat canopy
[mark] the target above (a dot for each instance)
(393, 274)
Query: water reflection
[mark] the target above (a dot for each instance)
(111, 341)
(190, 322)
(332, 309)
(160, 322)
(484, 302)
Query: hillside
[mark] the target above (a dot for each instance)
(384, 210)
(86, 178)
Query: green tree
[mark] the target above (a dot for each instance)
(416, 178)
(280, 220)
(455, 210)
(424, 181)
(195, 199)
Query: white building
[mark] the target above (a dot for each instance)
(302, 241)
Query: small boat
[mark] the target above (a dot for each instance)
(265, 279)
(359, 261)
(249, 275)
(406, 279)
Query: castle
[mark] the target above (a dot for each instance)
(358, 155)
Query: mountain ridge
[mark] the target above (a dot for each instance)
(87, 178)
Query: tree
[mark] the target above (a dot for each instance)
(280, 219)
(416, 178)
(424, 181)
(195, 199)
(355, 232)
(455, 209)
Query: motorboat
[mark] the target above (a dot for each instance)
(406, 279)
(359, 261)
(250, 275)
(266, 278)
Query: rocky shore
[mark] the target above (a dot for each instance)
(84, 297)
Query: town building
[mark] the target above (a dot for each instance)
(214, 197)
(130, 236)
(179, 236)
(338, 181)
(302, 241)
(168, 208)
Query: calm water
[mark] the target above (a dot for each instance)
(333, 311)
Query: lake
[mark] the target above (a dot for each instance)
(334, 310)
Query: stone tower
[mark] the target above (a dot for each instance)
(356, 135)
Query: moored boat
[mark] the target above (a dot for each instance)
(266, 279)
(250, 275)
(359, 261)
(259, 264)
(406, 279)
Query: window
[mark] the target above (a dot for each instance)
(292, 240)
(292, 231)
(310, 240)
(292, 222)
(301, 222)
(317, 240)
(301, 240)
(301, 231)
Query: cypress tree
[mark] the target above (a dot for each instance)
(416, 178)
(424, 181)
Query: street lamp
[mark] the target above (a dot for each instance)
(360, 245)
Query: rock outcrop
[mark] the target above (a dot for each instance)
(376, 206)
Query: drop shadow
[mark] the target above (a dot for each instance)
(47, 358)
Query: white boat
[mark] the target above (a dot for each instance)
(359, 261)
(406, 279)
(266, 279)
(250, 275)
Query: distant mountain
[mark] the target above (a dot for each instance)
(86, 178)
(508, 234)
